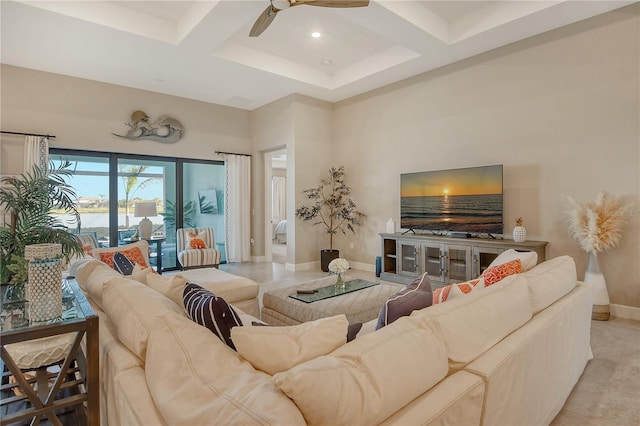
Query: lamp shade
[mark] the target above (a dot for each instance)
(145, 210)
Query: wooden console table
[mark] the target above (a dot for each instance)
(78, 374)
(446, 259)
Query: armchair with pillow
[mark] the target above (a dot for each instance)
(196, 248)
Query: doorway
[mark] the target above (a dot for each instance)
(276, 206)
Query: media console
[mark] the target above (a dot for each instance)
(446, 259)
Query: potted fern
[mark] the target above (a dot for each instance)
(28, 202)
(333, 208)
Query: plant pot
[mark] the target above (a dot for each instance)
(326, 256)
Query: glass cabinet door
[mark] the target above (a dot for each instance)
(432, 261)
(408, 262)
(458, 263)
(482, 258)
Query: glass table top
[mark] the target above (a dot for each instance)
(14, 314)
(333, 291)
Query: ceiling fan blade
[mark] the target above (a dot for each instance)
(263, 21)
(338, 3)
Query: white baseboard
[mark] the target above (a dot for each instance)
(624, 311)
(308, 266)
(363, 266)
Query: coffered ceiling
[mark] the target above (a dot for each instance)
(201, 49)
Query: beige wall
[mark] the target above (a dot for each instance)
(560, 111)
(304, 126)
(82, 114)
(272, 128)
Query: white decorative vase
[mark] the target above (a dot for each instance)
(44, 287)
(593, 276)
(391, 226)
(519, 234)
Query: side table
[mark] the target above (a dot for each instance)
(78, 370)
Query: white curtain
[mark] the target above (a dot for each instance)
(237, 207)
(279, 198)
(36, 151)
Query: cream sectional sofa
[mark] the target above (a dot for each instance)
(508, 355)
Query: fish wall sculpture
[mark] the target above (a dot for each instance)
(165, 129)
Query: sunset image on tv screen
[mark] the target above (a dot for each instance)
(459, 200)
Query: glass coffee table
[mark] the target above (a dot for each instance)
(286, 306)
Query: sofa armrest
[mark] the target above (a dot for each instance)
(456, 400)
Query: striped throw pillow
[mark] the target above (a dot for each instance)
(452, 291)
(211, 311)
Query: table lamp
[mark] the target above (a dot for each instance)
(145, 225)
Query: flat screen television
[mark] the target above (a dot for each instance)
(458, 200)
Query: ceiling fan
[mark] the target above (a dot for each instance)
(275, 6)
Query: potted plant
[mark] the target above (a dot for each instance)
(28, 201)
(333, 208)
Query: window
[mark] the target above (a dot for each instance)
(108, 186)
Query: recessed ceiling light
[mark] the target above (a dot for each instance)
(327, 62)
(316, 34)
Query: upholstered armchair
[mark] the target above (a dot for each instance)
(196, 248)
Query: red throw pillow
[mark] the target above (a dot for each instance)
(496, 273)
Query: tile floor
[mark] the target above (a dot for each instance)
(607, 394)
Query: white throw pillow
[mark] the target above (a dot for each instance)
(529, 259)
(276, 349)
(171, 286)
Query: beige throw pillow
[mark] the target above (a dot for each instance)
(170, 286)
(369, 379)
(132, 307)
(195, 379)
(276, 349)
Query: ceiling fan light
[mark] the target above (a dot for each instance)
(316, 34)
(280, 4)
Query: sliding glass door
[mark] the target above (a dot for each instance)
(203, 195)
(144, 184)
(185, 193)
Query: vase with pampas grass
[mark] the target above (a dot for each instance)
(597, 227)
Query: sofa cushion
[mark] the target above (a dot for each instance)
(276, 349)
(137, 252)
(81, 268)
(551, 280)
(171, 286)
(210, 311)
(416, 295)
(474, 323)
(370, 378)
(195, 379)
(497, 273)
(452, 291)
(140, 274)
(529, 259)
(132, 307)
(96, 279)
(232, 287)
